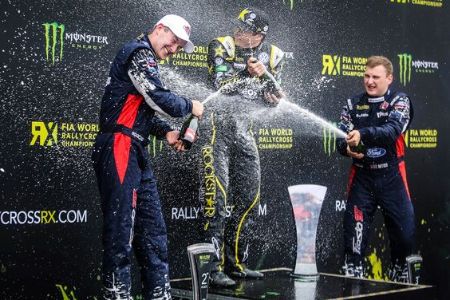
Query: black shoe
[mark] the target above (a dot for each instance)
(351, 270)
(221, 279)
(399, 273)
(247, 273)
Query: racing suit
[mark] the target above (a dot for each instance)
(232, 176)
(379, 178)
(132, 216)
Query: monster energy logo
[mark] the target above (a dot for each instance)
(405, 68)
(65, 293)
(51, 40)
(291, 3)
(329, 140)
(153, 146)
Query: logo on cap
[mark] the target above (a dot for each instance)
(255, 20)
(187, 29)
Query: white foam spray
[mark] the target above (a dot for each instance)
(286, 104)
(304, 111)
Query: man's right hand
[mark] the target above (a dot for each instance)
(273, 98)
(353, 138)
(255, 68)
(197, 108)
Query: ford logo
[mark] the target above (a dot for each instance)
(376, 152)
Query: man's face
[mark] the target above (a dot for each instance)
(247, 39)
(165, 42)
(376, 81)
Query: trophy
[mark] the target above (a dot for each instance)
(306, 200)
(200, 257)
(414, 263)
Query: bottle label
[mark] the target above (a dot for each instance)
(189, 135)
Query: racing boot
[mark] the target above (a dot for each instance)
(161, 293)
(247, 273)
(220, 279)
(351, 269)
(399, 273)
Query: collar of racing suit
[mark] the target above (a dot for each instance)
(378, 99)
(144, 38)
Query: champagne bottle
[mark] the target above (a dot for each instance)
(189, 131)
(360, 148)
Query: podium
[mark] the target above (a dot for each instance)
(279, 284)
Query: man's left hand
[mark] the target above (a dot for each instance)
(353, 138)
(255, 68)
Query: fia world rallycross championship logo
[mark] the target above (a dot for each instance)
(331, 65)
(44, 134)
(64, 134)
(343, 65)
(429, 3)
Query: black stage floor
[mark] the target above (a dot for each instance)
(278, 284)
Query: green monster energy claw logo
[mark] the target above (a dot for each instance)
(65, 293)
(153, 146)
(291, 3)
(329, 141)
(405, 62)
(51, 40)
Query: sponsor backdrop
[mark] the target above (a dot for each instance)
(55, 56)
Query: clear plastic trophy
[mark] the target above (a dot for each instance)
(200, 257)
(307, 200)
(414, 263)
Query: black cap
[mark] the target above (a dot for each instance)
(254, 20)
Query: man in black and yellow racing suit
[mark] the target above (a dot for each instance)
(247, 70)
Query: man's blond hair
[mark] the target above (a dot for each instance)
(374, 61)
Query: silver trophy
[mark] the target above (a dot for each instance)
(200, 257)
(414, 263)
(306, 202)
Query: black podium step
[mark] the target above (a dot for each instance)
(279, 284)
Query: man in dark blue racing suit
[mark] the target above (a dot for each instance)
(238, 66)
(376, 121)
(132, 216)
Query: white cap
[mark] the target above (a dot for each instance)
(180, 27)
